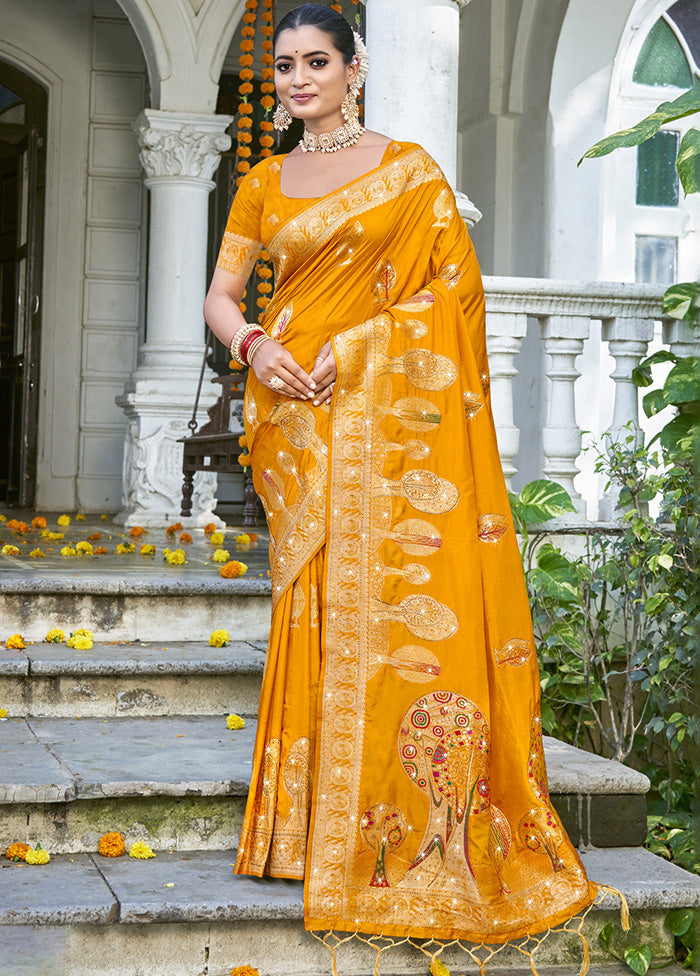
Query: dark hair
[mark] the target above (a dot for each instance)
(327, 20)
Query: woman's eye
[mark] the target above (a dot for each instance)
(282, 68)
(319, 63)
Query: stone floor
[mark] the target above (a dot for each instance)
(199, 552)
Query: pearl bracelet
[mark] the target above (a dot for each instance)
(237, 341)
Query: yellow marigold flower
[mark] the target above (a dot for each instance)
(3, 518)
(147, 550)
(219, 638)
(221, 556)
(63, 520)
(3, 713)
(216, 538)
(141, 850)
(68, 551)
(15, 643)
(80, 517)
(243, 540)
(235, 722)
(84, 549)
(17, 852)
(37, 856)
(53, 536)
(233, 570)
(55, 636)
(244, 971)
(111, 844)
(105, 518)
(125, 547)
(37, 554)
(176, 558)
(81, 640)
(10, 551)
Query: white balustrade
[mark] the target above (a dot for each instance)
(505, 332)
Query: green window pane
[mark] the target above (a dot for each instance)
(661, 60)
(657, 179)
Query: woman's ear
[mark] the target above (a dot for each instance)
(353, 70)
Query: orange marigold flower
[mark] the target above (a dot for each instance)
(185, 538)
(244, 152)
(244, 122)
(252, 536)
(263, 302)
(21, 528)
(246, 75)
(17, 852)
(243, 166)
(267, 31)
(247, 46)
(233, 569)
(264, 288)
(15, 643)
(245, 108)
(111, 844)
(94, 537)
(177, 527)
(245, 60)
(266, 126)
(39, 522)
(267, 88)
(267, 101)
(244, 136)
(136, 531)
(100, 551)
(209, 528)
(245, 89)
(264, 272)
(247, 31)
(244, 971)
(267, 142)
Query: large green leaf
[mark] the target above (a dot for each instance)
(638, 958)
(605, 935)
(542, 500)
(682, 301)
(683, 382)
(688, 161)
(641, 375)
(654, 403)
(686, 104)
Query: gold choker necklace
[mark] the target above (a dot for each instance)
(341, 138)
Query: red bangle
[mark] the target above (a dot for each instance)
(248, 342)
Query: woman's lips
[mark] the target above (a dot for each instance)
(302, 99)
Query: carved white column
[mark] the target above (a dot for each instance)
(179, 153)
(561, 439)
(504, 336)
(413, 83)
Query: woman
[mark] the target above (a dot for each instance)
(398, 765)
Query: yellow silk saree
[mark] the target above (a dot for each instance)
(398, 764)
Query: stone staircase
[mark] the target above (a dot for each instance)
(131, 736)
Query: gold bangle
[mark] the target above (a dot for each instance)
(237, 341)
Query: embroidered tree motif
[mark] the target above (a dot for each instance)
(384, 830)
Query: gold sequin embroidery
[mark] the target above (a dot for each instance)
(238, 254)
(492, 527)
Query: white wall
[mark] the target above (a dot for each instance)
(114, 254)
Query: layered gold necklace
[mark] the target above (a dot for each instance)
(341, 138)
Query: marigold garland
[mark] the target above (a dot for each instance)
(17, 852)
(111, 844)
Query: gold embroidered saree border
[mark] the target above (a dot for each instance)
(311, 229)
(238, 254)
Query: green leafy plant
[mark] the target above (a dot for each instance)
(680, 922)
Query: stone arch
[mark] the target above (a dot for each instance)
(184, 44)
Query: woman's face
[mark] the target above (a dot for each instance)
(311, 76)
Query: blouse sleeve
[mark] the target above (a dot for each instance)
(241, 245)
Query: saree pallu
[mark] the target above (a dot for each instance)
(398, 764)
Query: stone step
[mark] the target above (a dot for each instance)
(129, 678)
(180, 782)
(160, 606)
(187, 914)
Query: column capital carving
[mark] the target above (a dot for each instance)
(186, 145)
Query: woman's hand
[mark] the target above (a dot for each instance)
(324, 374)
(279, 371)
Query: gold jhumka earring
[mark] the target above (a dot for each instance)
(281, 119)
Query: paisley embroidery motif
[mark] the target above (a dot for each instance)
(514, 652)
(425, 491)
(492, 527)
(350, 240)
(423, 616)
(411, 663)
(443, 209)
(384, 281)
(417, 303)
(415, 413)
(282, 321)
(424, 369)
(416, 537)
(472, 404)
(413, 328)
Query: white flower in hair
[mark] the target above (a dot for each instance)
(362, 55)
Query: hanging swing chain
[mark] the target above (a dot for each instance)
(192, 423)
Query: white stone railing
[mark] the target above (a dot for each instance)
(564, 311)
